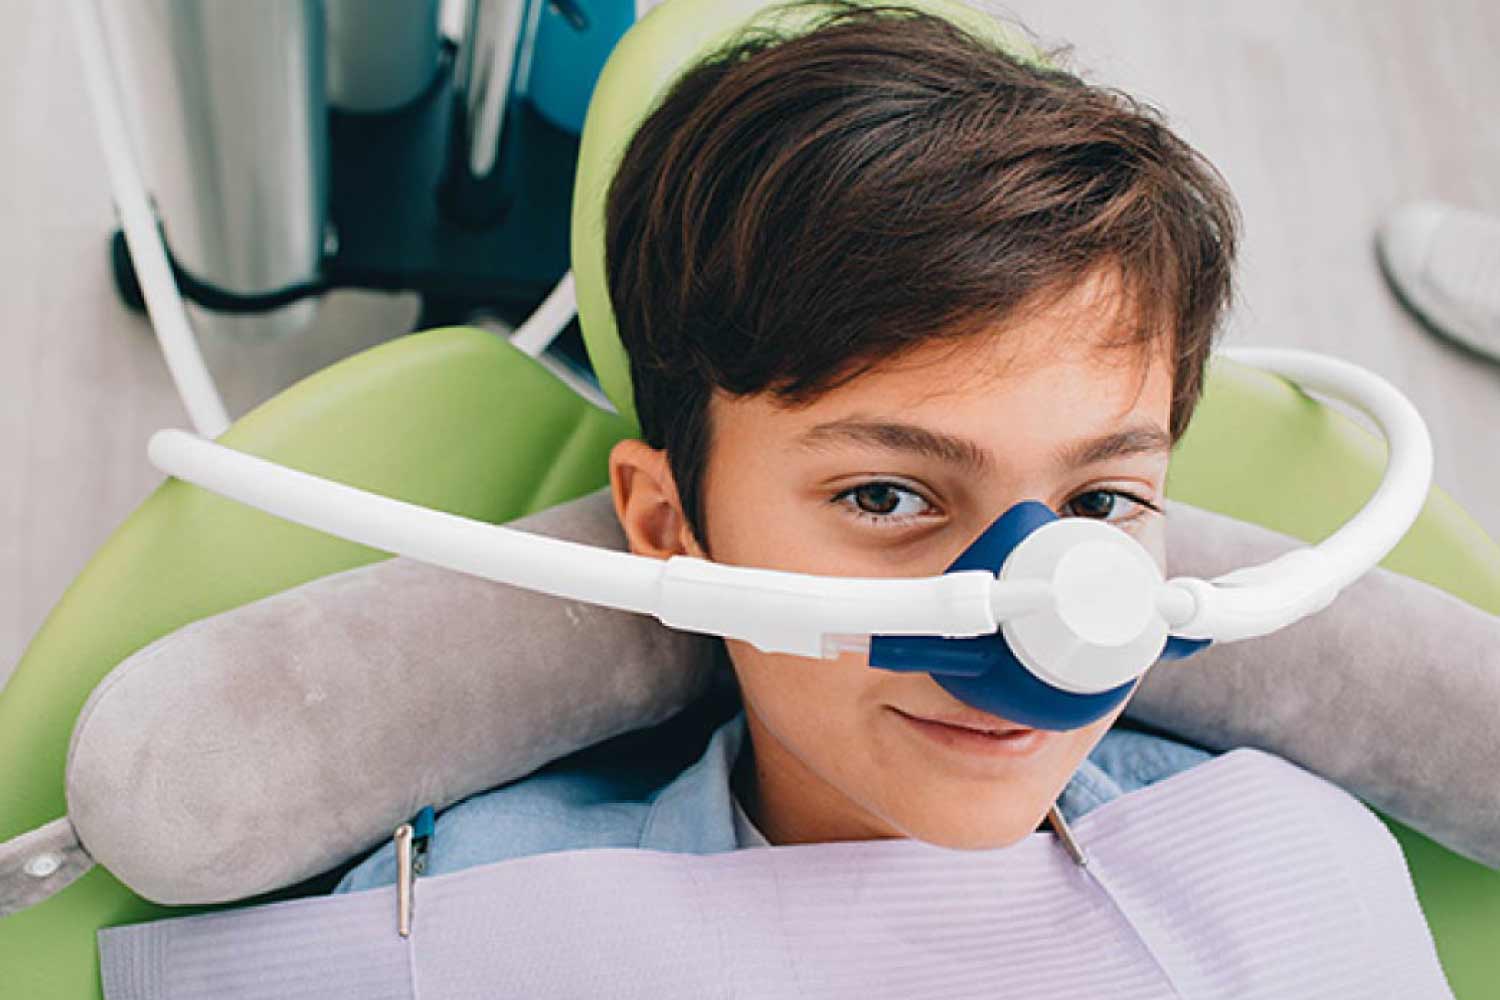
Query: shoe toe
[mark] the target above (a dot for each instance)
(1405, 237)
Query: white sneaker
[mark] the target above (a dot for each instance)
(1444, 263)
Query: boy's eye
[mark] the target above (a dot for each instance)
(886, 503)
(890, 504)
(1107, 505)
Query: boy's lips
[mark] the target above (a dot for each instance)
(975, 736)
(974, 720)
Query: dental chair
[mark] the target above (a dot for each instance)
(459, 420)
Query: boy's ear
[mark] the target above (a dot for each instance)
(646, 501)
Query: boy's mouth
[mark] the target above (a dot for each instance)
(975, 734)
(973, 721)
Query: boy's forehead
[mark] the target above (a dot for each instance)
(1081, 347)
(981, 404)
(1094, 323)
(1038, 360)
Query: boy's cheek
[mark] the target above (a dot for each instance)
(1152, 534)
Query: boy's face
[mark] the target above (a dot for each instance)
(894, 474)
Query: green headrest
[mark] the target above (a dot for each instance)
(643, 66)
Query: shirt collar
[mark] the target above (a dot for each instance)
(694, 813)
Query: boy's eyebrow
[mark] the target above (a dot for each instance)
(1139, 439)
(896, 436)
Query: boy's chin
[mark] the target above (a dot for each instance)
(967, 834)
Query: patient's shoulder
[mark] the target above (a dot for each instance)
(639, 789)
(551, 810)
(1125, 760)
(1135, 758)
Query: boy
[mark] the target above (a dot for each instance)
(877, 283)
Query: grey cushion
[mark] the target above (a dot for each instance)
(254, 749)
(261, 746)
(1392, 691)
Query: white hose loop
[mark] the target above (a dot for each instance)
(542, 327)
(1260, 599)
(169, 318)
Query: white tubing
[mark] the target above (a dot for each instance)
(778, 612)
(816, 616)
(542, 327)
(1258, 600)
(1372, 533)
(179, 347)
(552, 566)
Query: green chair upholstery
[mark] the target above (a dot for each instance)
(453, 419)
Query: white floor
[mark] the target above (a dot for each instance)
(1322, 117)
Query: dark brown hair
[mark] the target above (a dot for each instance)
(796, 211)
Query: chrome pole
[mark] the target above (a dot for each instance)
(229, 114)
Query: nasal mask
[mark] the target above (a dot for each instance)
(1044, 621)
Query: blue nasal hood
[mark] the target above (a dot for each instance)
(983, 671)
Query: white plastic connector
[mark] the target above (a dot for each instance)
(801, 614)
(1104, 592)
(1102, 628)
(1256, 600)
(1176, 604)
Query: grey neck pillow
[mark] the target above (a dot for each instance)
(340, 707)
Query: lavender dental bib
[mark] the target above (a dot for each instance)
(1245, 877)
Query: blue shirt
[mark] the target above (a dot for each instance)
(575, 805)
